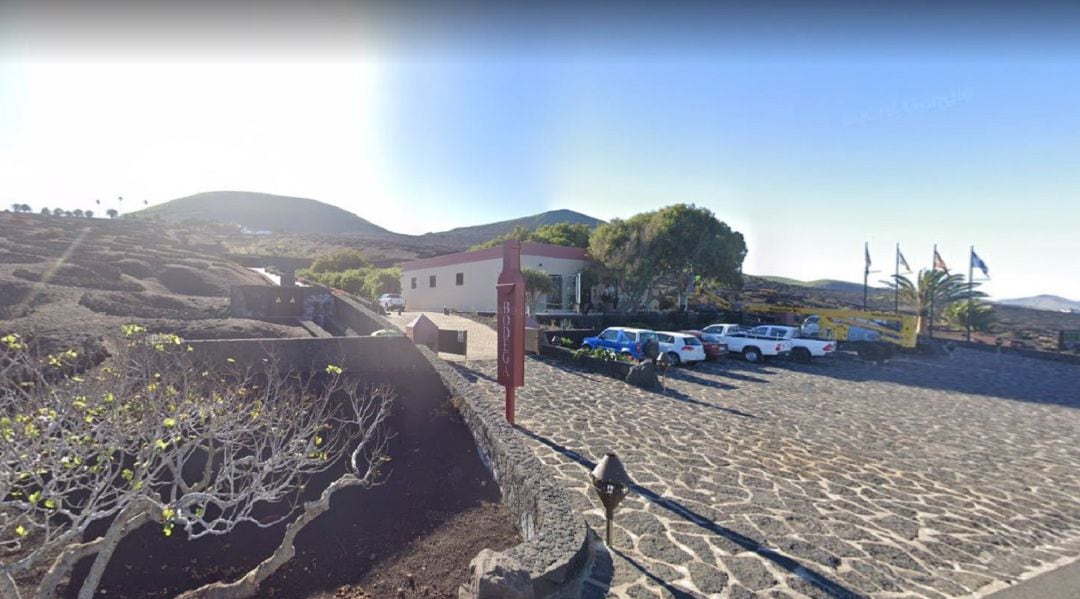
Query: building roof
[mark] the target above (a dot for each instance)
(528, 248)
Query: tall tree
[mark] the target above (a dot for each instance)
(537, 285)
(566, 234)
(669, 248)
(932, 287)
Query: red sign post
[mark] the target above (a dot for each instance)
(510, 322)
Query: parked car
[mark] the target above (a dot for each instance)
(802, 349)
(681, 348)
(621, 340)
(719, 330)
(391, 301)
(715, 348)
(752, 346)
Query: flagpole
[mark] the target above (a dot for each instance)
(932, 290)
(866, 272)
(971, 287)
(896, 280)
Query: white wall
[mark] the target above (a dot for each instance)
(477, 294)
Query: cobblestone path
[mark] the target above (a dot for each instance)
(924, 477)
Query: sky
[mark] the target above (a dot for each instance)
(812, 128)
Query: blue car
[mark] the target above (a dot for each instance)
(621, 340)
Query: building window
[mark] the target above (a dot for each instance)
(431, 281)
(414, 282)
(460, 279)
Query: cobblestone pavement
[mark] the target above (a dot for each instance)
(923, 477)
(482, 339)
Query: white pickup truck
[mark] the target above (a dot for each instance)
(754, 347)
(802, 349)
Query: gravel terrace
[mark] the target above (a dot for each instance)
(924, 477)
(482, 339)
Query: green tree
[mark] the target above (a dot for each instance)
(567, 234)
(89, 214)
(932, 287)
(340, 261)
(520, 233)
(537, 285)
(111, 213)
(46, 211)
(667, 248)
(382, 280)
(979, 313)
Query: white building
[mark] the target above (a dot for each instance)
(466, 281)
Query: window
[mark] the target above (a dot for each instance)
(609, 335)
(414, 282)
(431, 281)
(460, 279)
(665, 338)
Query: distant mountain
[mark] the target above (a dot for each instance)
(263, 211)
(468, 236)
(830, 284)
(1043, 302)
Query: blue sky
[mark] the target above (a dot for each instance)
(811, 130)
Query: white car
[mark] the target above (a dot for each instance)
(391, 301)
(680, 348)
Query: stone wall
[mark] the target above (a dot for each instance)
(555, 548)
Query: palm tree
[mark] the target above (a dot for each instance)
(979, 313)
(935, 288)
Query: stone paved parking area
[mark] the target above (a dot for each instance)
(924, 477)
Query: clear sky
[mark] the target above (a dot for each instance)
(811, 129)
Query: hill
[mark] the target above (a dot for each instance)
(262, 211)
(1042, 302)
(830, 284)
(468, 236)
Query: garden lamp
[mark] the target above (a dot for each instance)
(611, 482)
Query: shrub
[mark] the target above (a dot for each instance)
(88, 459)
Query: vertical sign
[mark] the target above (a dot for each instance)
(510, 323)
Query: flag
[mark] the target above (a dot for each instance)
(976, 262)
(939, 264)
(867, 248)
(900, 256)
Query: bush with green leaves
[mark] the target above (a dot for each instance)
(340, 261)
(154, 436)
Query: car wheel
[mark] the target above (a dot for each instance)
(752, 355)
(801, 355)
(674, 358)
(586, 346)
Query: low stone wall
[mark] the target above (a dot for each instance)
(615, 369)
(555, 548)
(1019, 351)
(350, 313)
(576, 335)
